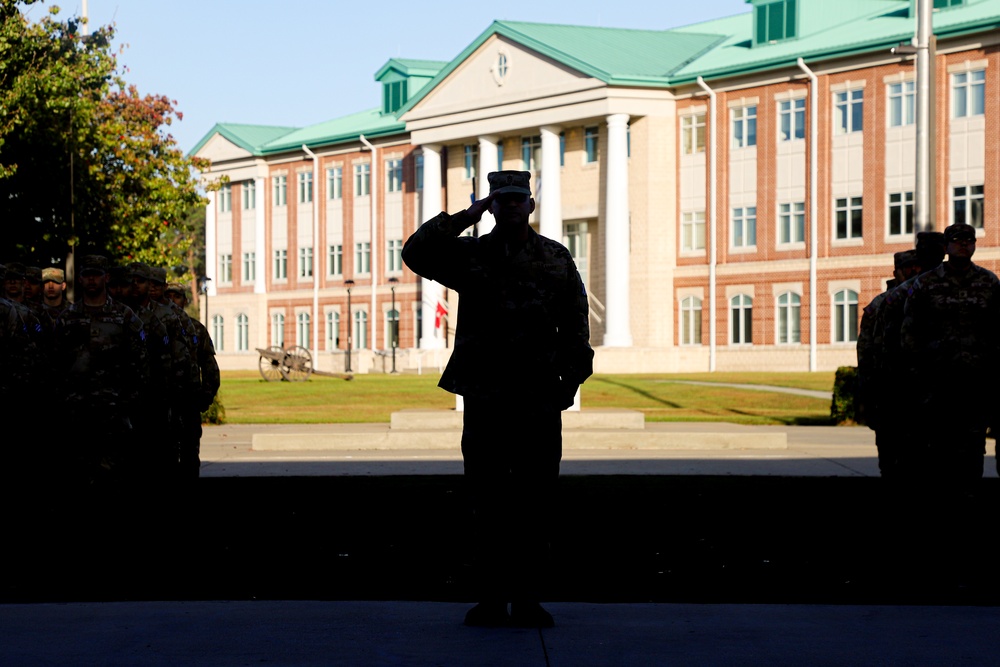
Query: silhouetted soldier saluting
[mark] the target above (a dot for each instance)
(522, 348)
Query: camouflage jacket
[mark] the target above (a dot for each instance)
(207, 366)
(523, 316)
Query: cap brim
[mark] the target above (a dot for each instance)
(511, 189)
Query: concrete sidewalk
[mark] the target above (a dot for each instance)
(292, 633)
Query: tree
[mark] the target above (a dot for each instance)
(85, 159)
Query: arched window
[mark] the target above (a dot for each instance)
(845, 316)
(302, 322)
(242, 333)
(218, 332)
(360, 329)
(691, 321)
(392, 328)
(278, 329)
(741, 320)
(789, 308)
(332, 330)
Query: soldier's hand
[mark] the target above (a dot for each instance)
(478, 207)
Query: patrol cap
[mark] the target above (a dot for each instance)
(158, 275)
(930, 238)
(140, 270)
(93, 264)
(174, 287)
(15, 271)
(502, 182)
(959, 232)
(904, 259)
(33, 274)
(53, 275)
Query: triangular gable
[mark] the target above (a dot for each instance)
(219, 149)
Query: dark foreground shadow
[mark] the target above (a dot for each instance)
(622, 538)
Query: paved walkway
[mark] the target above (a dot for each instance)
(828, 395)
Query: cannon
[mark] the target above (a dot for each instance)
(293, 364)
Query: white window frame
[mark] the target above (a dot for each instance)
(391, 332)
(305, 187)
(792, 119)
(219, 333)
(226, 267)
(848, 111)
(791, 224)
(845, 316)
(332, 330)
(303, 327)
(226, 198)
(690, 321)
(362, 257)
(846, 207)
(968, 198)
(278, 329)
(362, 179)
(360, 320)
(968, 93)
(280, 183)
(743, 119)
(305, 261)
(281, 264)
(693, 232)
(741, 319)
(249, 191)
(394, 255)
(744, 228)
(394, 175)
(242, 333)
(788, 318)
(335, 183)
(335, 259)
(905, 204)
(901, 103)
(531, 147)
(693, 133)
(470, 154)
(249, 266)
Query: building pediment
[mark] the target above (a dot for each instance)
(219, 149)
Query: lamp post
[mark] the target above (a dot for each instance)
(393, 322)
(347, 363)
(203, 288)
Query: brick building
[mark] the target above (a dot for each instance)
(733, 190)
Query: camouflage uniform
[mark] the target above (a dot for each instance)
(522, 348)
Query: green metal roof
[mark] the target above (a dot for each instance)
(411, 67)
(247, 137)
(371, 123)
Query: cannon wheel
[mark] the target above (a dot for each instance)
(270, 364)
(297, 364)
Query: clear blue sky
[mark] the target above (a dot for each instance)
(301, 62)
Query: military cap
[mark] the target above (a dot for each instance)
(118, 275)
(930, 237)
(53, 275)
(94, 264)
(33, 274)
(174, 287)
(158, 275)
(502, 182)
(141, 270)
(904, 259)
(959, 232)
(15, 270)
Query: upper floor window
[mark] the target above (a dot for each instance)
(249, 195)
(418, 169)
(693, 230)
(394, 255)
(691, 321)
(335, 259)
(305, 187)
(792, 119)
(774, 21)
(471, 153)
(744, 227)
(280, 190)
(305, 262)
(226, 268)
(363, 257)
(900, 214)
(791, 223)
(967, 205)
(393, 175)
(226, 198)
(590, 143)
(562, 149)
(362, 179)
(902, 103)
(946, 4)
(744, 127)
(531, 150)
(249, 266)
(280, 264)
(848, 214)
(968, 93)
(335, 183)
(693, 134)
(848, 111)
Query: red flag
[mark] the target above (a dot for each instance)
(439, 312)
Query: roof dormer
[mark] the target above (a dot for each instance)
(774, 20)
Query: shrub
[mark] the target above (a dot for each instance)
(216, 413)
(845, 386)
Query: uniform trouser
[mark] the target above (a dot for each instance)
(190, 444)
(512, 453)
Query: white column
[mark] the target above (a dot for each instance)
(487, 162)
(260, 236)
(211, 244)
(550, 192)
(618, 332)
(431, 292)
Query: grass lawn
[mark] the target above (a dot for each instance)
(373, 398)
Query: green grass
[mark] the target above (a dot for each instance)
(373, 398)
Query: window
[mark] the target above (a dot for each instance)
(363, 257)
(226, 198)
(393, 96)
(741, 308)
(531, 149)
(305, 262)
(946, 4)
(788, 318)
(848, 111)
(242, 333)
(333, 330)
(847, 211)
(418, 168)
(280, 190)
(900, 214)
(792, 119)
(774, 21)
(693, 230)
(590, 135)
(968, 93)
(562, 149)
(305, 187)
(335, 259)
(394, 255)
(792, 223)
(280, 264)
(218, 333)
(249, 267)
(393, 175)
(392, 328)
(902, 103)
(302, 322)
(278, 329)
(744, 127)
(362, 179)
(967, 204)
(499, 156)
(360, 329)
(226, 268)
(335, 183)
(845, 316)
(693, 134)
(471, 161)
(745, 227)
(249, 195)
(691, 321)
